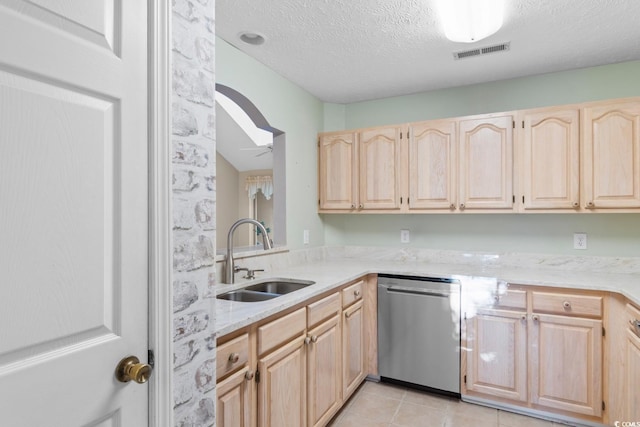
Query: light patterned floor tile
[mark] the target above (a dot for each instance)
(509, 419)
(373, 407)
(412, 415)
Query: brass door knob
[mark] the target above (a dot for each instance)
(130, 368)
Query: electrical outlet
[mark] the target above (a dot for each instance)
(579, 240)
(305, 237)
(404, 236)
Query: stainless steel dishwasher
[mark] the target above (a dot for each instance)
(419, 332)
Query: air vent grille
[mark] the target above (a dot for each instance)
(502, 47)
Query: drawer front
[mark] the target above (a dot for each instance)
(633, 316)
(281, 330)
(512, 298)
(232, 355)
(323, 309)
(567, 304)
(352, 293)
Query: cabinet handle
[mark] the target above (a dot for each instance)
(348, 315)
(234, 357)
(314, 338)
(497, 298)
(307, 340)
(535, 317)
(248, 376)
(523, 317)
(566, 305)
(353, 205)
(452, 207)
(589, 205)
(360, 206)
(576, 204)
(461, 206)
(356, 293)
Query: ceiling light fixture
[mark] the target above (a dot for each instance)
(252, 38)
(468, 21)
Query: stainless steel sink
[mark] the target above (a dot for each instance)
(280, 286)
(263, 291)
(247, 296)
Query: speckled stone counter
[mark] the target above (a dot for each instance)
(333, 267)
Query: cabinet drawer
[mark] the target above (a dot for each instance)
(352, 293)
(512, 298)
(323, 309)
(281, 330)
(567, 304)
(633, 315)
(232, 355)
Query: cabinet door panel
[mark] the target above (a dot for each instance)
(234, 401)
(567, 364)
(632, 392)
(337, 177)
(324, 373)
(379, 152)
(497, 355)
(551, 160)
(612, 156)
(486, 163)
(352, 349)
(432, 165)
(282, 396)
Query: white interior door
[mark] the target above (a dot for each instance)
(73, 211)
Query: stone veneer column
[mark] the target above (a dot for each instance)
(194, 222)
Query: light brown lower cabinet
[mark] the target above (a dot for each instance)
(632, 366)
(303, 364)
(546, 356)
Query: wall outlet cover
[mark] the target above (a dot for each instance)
(404, 236)
(579, 240)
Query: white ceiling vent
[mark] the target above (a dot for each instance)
(502, 47)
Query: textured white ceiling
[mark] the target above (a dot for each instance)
(345, 51)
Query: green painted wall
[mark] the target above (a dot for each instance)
(297, 113)
(608, 234)
(301, 116)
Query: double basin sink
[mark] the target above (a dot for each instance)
(266, 290)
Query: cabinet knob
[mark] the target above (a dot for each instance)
(566, 305)
(353, 205)
(452, 207)
(314, 338)
(523, 317)
(307, 340)
(348, 315)
(360, 206)
(461, 206)
(590, 205)
(576, 204)
(497, 298)
(535, 317)
(248, 376)
(234, 357)
(356, 293)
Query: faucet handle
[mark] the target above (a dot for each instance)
(238, 268)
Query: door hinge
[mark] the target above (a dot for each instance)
(522, 199)
(523, 124)
(604, 332)
(151, 358)
(465, 379)
(514, 124)
(400, 200)
(408, 200)
(513, 198)
(408, 134)
(257, 376)
(318, 202)
(603, 405)
(400, 135)
(318, 142)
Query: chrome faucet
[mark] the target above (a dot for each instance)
(229, 267)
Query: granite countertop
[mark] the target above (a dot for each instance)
(332, 273)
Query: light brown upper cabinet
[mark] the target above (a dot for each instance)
(360, 171)
(550, 159)
(611, 158)
(486, 163)
(338, 170)
(433, 167)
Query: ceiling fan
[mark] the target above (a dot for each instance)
(266, 149)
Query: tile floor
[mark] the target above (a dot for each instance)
(385, 405)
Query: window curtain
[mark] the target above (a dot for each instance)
(253, 184)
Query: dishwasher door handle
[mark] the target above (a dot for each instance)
(417, 291)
